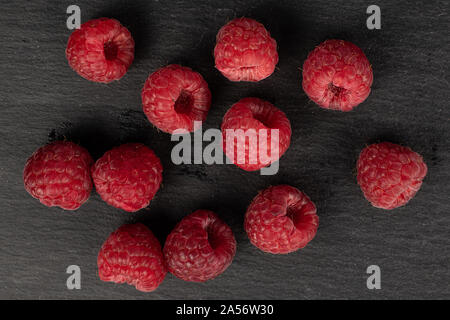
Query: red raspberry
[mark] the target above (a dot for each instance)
(174, 97)
(101, 50)
(337, 75)
(127, 177)
(132, 254)
(390, 175)
(245, 51)
(200, 247)
(252, 115)
(281, 219)
(58, 175)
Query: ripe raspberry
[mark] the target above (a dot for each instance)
(174, 97)
(281, 219)
(337, 75)
(58, 175)
(127, 177)
(390, 175)
(200, 247)
(252, 115)
(101, 50)
(132, 254)
(245, 51)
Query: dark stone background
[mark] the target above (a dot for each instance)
(42, 99)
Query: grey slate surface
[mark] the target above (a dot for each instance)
(42, 99)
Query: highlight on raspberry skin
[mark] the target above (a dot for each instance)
(174, 97)
(102, 50)
(132, 255)
(200, 247)
(245, 51)
(337, 75)
(281, 219)
(255, 134)
(128, 177)
(389, 174)
(58, 174)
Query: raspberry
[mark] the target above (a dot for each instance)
(127, 177)
(174, 97)
(200, 247)
(102, 50)
(281, 219)
(337, 75)
(132, 254)
(58, 175)
(245, 51)
(252, 115)
(390, 175)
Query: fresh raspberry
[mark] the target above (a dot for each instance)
(390, 175)
(101, 50)
(127, 177)
(174, 97)
(58, 175)
(245, 51)
(337, 75)
(200, 247)
(252, 115)
(132, 254)
(281, 219)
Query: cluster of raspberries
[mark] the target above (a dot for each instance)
(279, 220)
